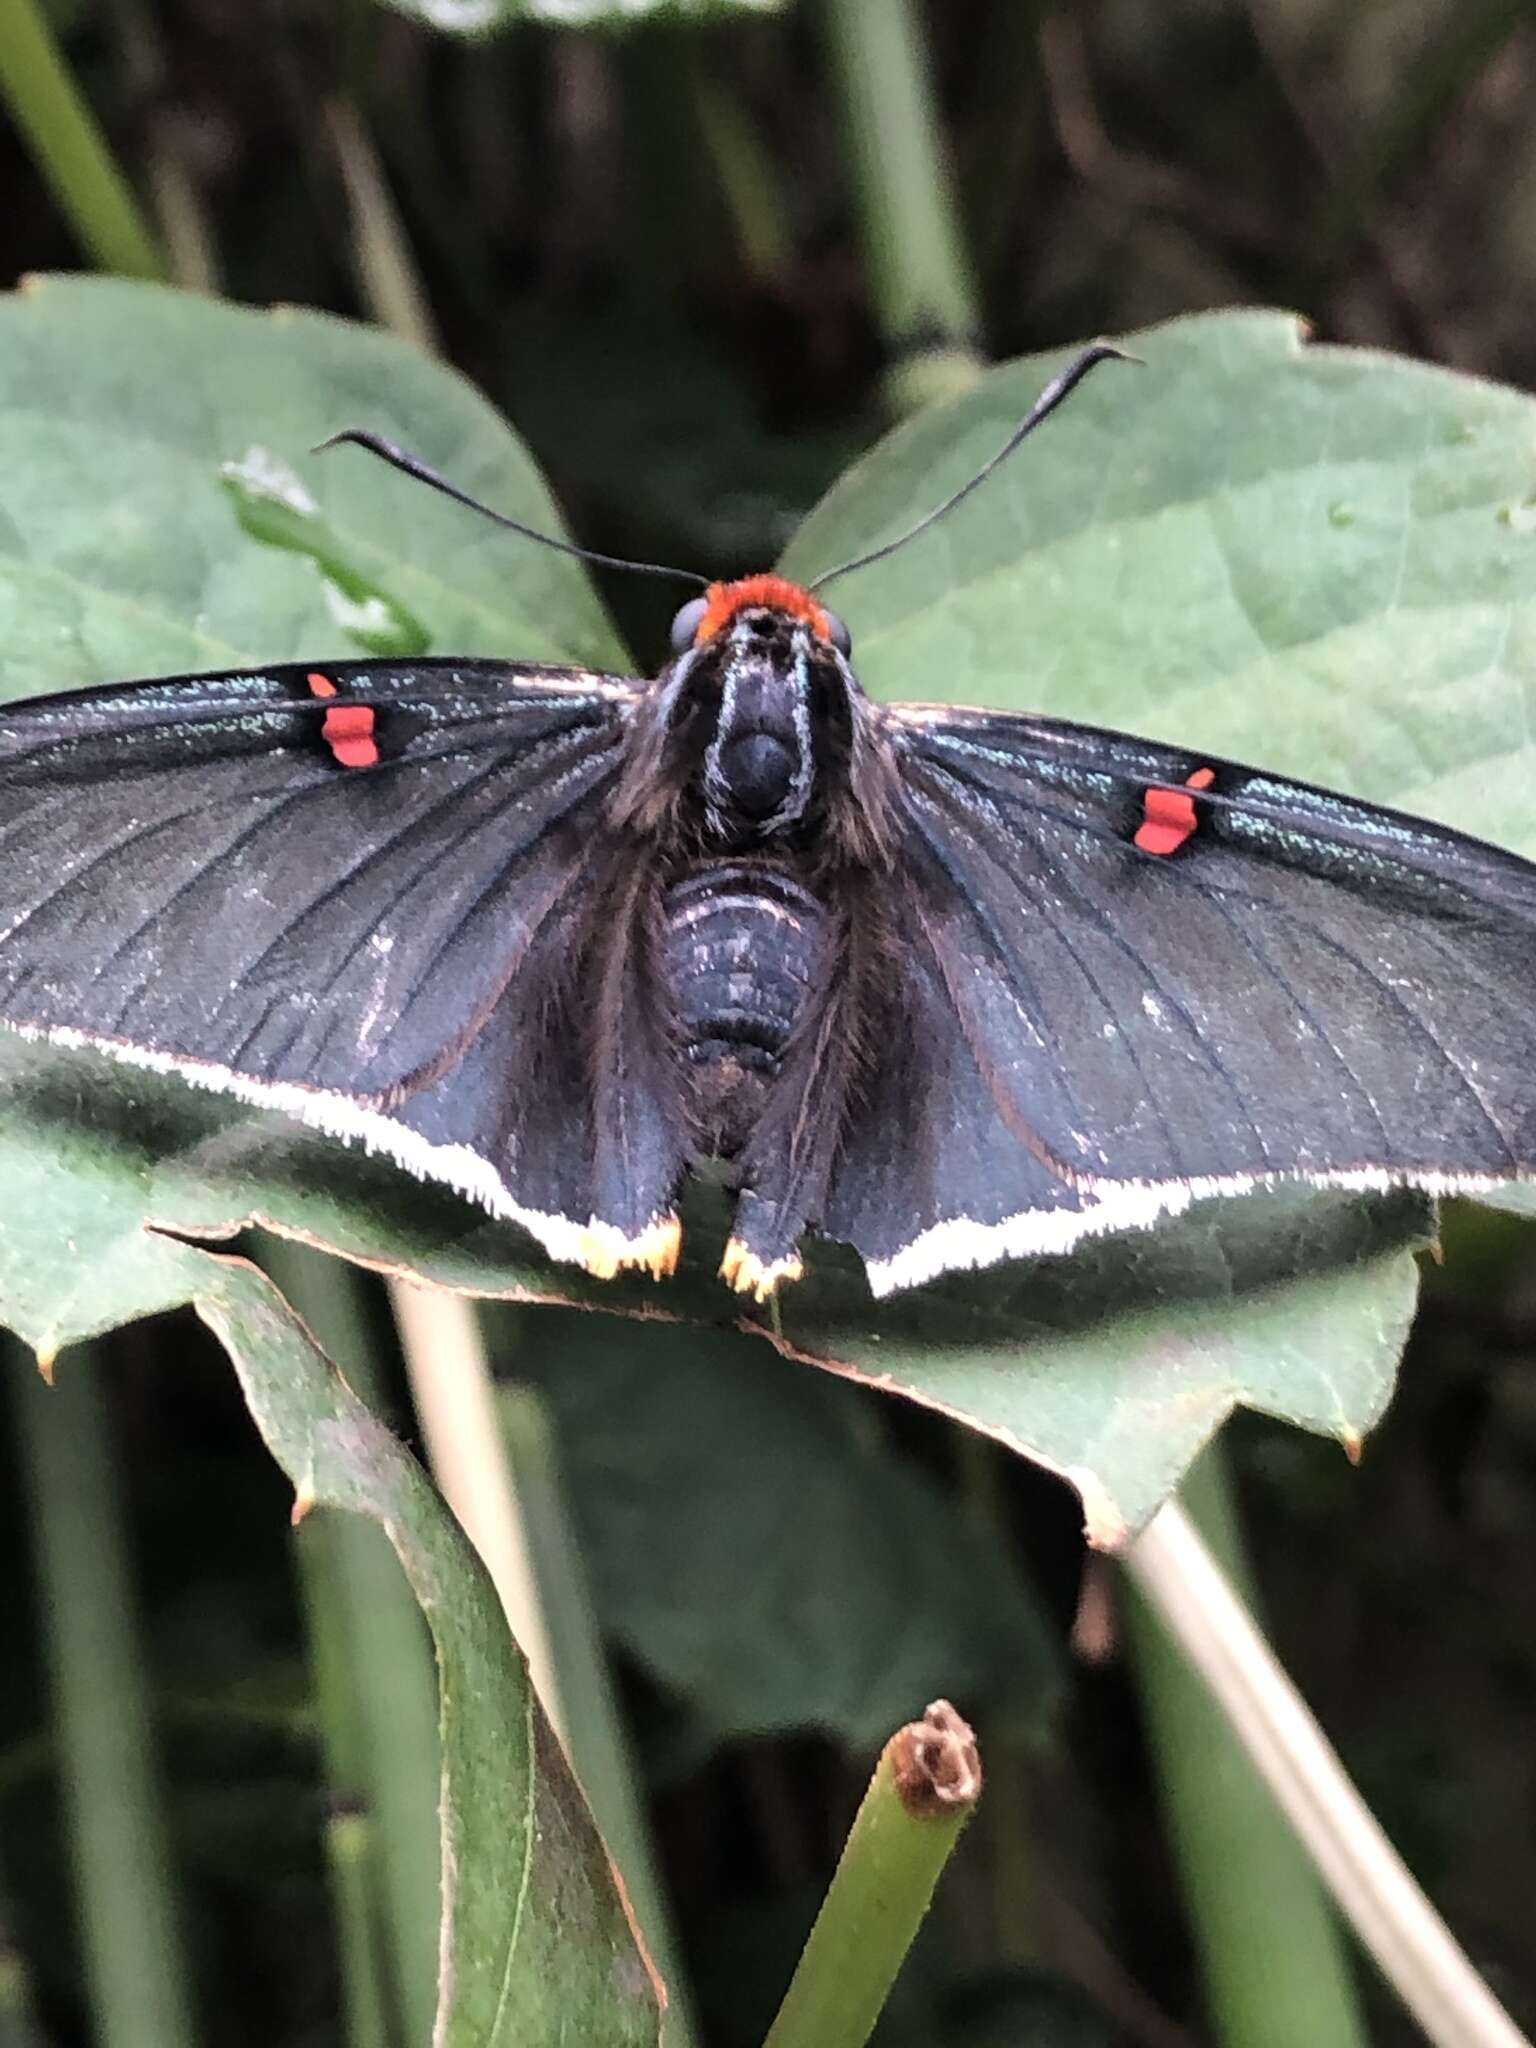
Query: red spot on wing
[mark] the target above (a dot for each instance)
(1168, 815)
(348, 732)
(722, 601)
(348, 729)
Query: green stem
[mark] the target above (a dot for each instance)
(1008, 1843)
(1273, 1961)
(69, 146)
(18, 2020)
(924, 1790)
(593, 1729)
(1398, 1927)
(919, 276)
(375, 1679)
(381, 251)
(349, 1853)
(743, 172)
(135, 1969)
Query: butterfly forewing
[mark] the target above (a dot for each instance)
(186, 866)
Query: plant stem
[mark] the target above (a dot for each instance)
(594, 1730)
(191, 250)
(176, 199)
(1410, 1943)
(924, 1789)
(381, 250)
(919, 276)
(349, 1854)
(18, 2021)
(451, 1382)
(743, 170)
(376, 1683)
(1274, 1967)
(70, 149)
(135, 1969)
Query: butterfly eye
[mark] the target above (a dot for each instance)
(839, 634)
(686, 623)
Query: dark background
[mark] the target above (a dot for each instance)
(647, 249)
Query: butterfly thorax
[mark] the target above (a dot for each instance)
(758, 700)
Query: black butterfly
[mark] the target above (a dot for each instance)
(952, 986)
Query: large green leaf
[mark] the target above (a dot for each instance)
(1112, 1367)
(833, 1601)
(536, 1945)
(485, 17)
(148, 437)
(1317, 559)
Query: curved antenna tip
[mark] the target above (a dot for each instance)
(413, 466)
(1060, 388)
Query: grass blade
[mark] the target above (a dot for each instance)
(135, 1969)
(69, 147)
(919, 275)
(376, 1681)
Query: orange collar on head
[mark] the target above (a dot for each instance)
(722, 601)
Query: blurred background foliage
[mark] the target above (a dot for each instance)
(648, 249)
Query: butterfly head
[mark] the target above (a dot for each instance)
(760, 606)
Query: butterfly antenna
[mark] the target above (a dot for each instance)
(1055, 393)
(412, 465)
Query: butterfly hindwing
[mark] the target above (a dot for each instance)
(1294, 986)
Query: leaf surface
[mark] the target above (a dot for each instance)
(537, 1944)
(832, 1599)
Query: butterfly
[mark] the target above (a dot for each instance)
(951, 986)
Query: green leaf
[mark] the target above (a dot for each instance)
(1115, 1366)
(537, 1946)
(1317, 559)
(126, 549)
(485, 17)
(835, 1603)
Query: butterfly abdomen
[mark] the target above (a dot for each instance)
(745, 948)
